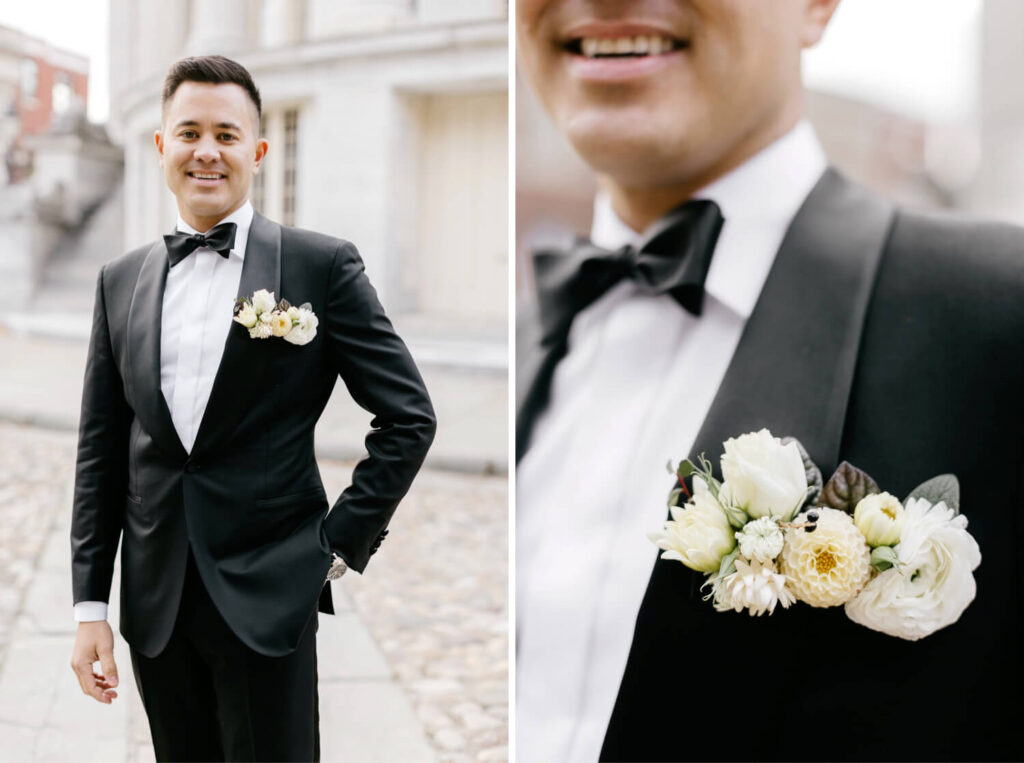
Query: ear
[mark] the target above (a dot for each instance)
(158, 138)
(261, 152)
(816, 17)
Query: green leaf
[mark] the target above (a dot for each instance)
(846, 488)
(884, 557)
(811, 471)
(686, 468)
(737, 517)
(728, 565)
(945, 488)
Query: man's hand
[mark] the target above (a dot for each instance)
(95, 641)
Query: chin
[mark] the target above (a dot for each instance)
(633, 150)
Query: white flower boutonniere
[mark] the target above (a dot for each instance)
(773, 533)
(266, 317)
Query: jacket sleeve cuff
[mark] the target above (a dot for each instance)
(90, 611)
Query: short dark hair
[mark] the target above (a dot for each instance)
(213, 69)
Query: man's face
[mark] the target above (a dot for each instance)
(651, 92)
(209, 150)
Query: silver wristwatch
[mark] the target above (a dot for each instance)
(338, 568)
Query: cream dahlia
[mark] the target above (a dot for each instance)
(831, 564)
(755, 587)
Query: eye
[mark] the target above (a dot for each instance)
(189, 134)
(226, 136)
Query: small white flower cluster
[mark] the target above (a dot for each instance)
(265, 317)
(904, 571)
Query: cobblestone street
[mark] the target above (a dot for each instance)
(433, 600)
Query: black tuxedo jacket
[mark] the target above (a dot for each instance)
(892, 341)
(248, 499)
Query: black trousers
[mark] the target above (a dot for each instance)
(210, 697)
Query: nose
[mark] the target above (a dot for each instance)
(206, 150)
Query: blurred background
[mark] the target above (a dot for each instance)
(918, 99)
(388, 126)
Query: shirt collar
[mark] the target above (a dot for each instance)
(241, 217)
(758, 200)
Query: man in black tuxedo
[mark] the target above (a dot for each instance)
(196, 446)
(887, 339)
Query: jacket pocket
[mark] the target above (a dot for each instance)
(308, 496)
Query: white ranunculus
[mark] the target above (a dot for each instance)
(880, 517)
(763, 476)
(934, 581)
(304, 331)
(263, 301)
(246, 316)
(698, 535)
(760, 540)
(293, 313)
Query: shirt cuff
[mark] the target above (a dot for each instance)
(90, 611)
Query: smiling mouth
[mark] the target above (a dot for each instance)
(205, 175)
(632, 46)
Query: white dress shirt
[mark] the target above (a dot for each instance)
(630, 395)
(198, 306)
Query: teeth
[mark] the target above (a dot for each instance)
(206, 175)
(640, 45)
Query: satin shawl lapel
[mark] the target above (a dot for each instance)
(244, 359)
(143, 376)
(794, 365)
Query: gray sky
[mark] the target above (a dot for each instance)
(76, 25)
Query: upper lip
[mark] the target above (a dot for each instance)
(614, 29)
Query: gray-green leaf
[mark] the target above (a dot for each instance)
(945, 488)
(846, 487)
(884, 557)
(814, 478)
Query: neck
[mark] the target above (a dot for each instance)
(639, 205)
(201, 223)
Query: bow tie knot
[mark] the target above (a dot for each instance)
(220, 238)
(673, 259)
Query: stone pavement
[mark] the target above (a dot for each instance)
(41, 385)
(413, 668)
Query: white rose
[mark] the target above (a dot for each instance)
(698, 535)
(246, 316)
(933, 583)
(293, 313)
(280, 323)
(263, 301)
(763, 476)
(303, 331)
(880, 518)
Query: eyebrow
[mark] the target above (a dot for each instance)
(219, 125)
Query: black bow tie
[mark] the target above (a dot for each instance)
(220, 238)
(674, 258)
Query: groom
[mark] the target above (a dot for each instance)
(792, 300)
(196, 446)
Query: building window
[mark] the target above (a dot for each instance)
(291, 139)
(62, 93)
(29, 78)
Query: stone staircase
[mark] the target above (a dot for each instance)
(66, 293)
